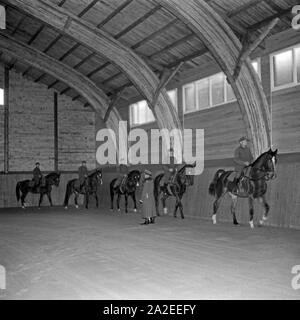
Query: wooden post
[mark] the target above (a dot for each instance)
(55, 131)
(6, 119)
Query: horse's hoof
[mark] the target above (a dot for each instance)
(214, 219)
(23, 207)
(134, 210)
(165, 210)
(66, 208)
(76, 207)
(251, 224)
(236, 223)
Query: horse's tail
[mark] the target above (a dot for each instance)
(212, 186)
(68, 193)
(18, 187)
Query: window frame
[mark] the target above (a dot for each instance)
(296, 81)
(3, 97)
(131, 115)
(211, 105)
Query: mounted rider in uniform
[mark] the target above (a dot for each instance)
(37, 176)
(242, 158)
(122, 171)
(170, 169)
(82, 175)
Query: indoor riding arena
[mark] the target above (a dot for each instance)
(187, 113)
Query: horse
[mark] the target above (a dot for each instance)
(252, 185)
(129, 189)
(181, 181)
(24, 187)
(89, 187)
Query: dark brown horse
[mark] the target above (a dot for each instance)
(129, 189)
(251, 185)
(89, 187)
(24, 187)
(181, 181)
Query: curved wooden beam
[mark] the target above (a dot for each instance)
(84, 86)
(104, 44)
(226, 48)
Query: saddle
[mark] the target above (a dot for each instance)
(244, 185)
(41, 183)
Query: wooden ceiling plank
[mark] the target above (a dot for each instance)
(155, 34)
(137, 22)
(114, 13)
(244, 7)
(280, 15)
(89, 7)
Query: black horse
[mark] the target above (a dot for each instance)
(181, 181)
(129, 189)
(89, 187)
(24, 187)
(252, 185)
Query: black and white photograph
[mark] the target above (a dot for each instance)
(149, 152)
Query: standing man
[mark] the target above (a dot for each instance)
(37, 175)
(147, 200)
(82, 174)
(242, 158)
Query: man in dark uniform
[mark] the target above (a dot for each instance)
(170, 168)
(122, 170)
(82, 174)
(242, 158)
(37, 175)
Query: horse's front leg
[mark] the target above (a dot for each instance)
(126, 203)
(50, 199)
(97, 200)
(266, 206)
(76, 200)
(251, 212)
(23, 196)
(87, 198)
(134, 201)
(163, 201)
(41, 199)
(118, 201)
(234, 199)
(180, 207)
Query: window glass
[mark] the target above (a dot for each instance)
(173, 96)
(189, 97)
(217, 87)
(283, 68)
(140, 113)
(203, 93)
(297, 57)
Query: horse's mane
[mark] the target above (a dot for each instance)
(131, 173)
(91, 174)
(259, 158)
(54, 173)
(184, 166)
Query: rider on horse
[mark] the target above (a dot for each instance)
(37, 176)
(122, 170)
(242, 158)
(82, 175)
(170, 168)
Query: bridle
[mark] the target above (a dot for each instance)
(265, 175)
